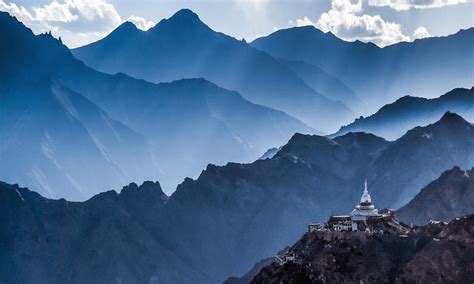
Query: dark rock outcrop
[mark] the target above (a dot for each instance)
(349, 257)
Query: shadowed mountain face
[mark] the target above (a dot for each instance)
(57, 142)
(107, 130)
(429, 151)
(103, 240)
(448, 197)
(380, 75)
(231, 216)
(184, 47)
(394, 120)
(342, 257)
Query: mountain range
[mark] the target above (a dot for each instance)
(123, 128)
(184, 47)
(448, 197)
(377, 75)
(163, 104)
(223, 222)
(395, 119)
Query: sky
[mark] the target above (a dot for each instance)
(383, 22)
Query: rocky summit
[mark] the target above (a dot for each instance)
(436, 253)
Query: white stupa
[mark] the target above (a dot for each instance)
(365, 208)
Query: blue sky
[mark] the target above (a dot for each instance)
(383, 22)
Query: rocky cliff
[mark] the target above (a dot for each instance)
(348, 257)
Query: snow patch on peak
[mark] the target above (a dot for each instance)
(19, 194)
(427, 135)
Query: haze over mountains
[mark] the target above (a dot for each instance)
(423, 68)
(181, 99)
(395, 119)
(184, 47)
(121, 129)
(230, 217)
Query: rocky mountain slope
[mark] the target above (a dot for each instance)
(421, 68)
(347, 257)
(231, 216)
(395, 119)
(184, 47)
(449, 196)
(182, 125)
(105, 239)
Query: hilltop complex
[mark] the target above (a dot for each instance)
(364, 218)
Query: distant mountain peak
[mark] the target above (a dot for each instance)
(183, 18)
(185, 14)
(452, 118)
(148, 188)
(125, 29)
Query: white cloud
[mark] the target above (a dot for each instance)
(140, 22)
(76, 21)
(420, 32)
(55, 12)
(401, 5)
(301, 22)
(346, 20)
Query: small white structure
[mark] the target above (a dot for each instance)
(365, 208)
(365, 218)
(343, 226)
(315, 227)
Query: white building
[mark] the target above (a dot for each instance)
(365, 208)
(360, 219)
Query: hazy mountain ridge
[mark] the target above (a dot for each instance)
(187, 123)
(231, 216)
(55, 141)
(393, 120)
(449, 196)
(184, 47)
(421, 68)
